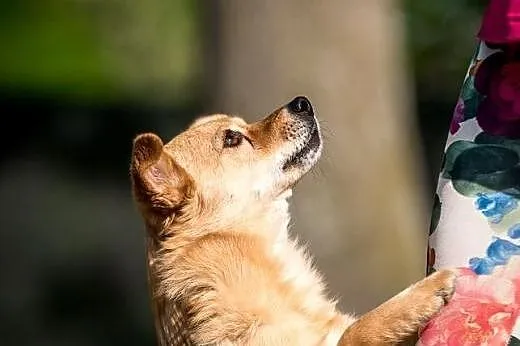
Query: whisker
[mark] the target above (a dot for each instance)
(317, 172)
(326, 130)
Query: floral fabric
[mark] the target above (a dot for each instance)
(501, 23)
(476, 216)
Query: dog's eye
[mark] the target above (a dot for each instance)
(232, 138)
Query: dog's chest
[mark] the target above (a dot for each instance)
(297, 271)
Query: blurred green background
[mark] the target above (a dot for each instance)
(78, 79)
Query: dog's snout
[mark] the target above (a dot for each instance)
(300, 106)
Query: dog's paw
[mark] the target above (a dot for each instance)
(445, 282)
(402, 317)
(433, 292)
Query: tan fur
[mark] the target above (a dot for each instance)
(219, 218)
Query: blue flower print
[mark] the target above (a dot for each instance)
(498, 253)
(481, 266)
(514, 231)
(495, 206)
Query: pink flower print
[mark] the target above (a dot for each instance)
(482, 311)
(458, 117)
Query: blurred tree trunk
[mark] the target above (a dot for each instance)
(362, 212)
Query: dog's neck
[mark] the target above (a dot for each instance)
(281, 223)
(270, 222)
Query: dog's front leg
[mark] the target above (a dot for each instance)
(402, 316)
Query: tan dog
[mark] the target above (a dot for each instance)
(214, 199)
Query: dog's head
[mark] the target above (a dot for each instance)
(222, 168)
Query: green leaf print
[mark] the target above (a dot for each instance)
(471, 98)
(514, 341)
(489, 164)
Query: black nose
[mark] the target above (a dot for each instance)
(300, 106)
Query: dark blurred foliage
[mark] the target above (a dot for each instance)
(78, 79)
(441, 39)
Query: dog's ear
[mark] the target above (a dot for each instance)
(158, 182)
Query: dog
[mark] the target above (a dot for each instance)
(215, 204)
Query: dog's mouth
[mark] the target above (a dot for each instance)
(308, 154)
